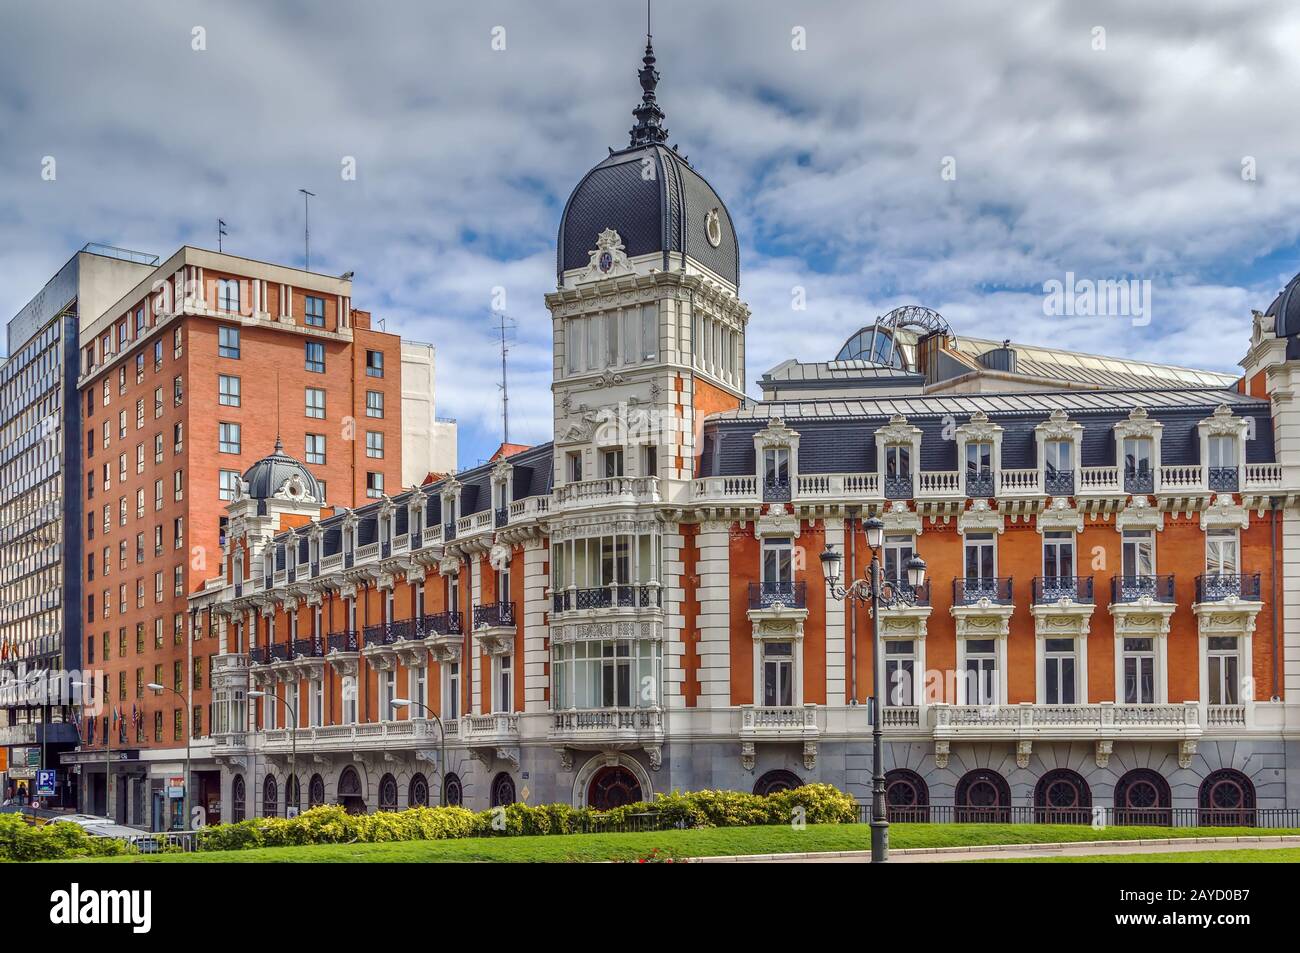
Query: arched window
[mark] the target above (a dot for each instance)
(316, 791)
(388, 793)
(983, 796)
(270, 797)
(775, 781)
(907, 796)
(452, 792)
(613, 786)
(237, 798)
(1227, 799)
(417, 795)
(292, 796)
(1062, 796)
(503, 790)
(350, 795)
(1142, 798)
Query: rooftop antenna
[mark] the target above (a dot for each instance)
(221, 233)
(504, 325)
(306, 228)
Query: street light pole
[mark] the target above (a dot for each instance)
(185, 787)
(442, 737)
(878, 593)
(293, 747)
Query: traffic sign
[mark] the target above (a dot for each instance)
(45, 782)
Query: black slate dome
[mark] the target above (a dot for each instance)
(651, 196)
(280, 475)
(1285, 310)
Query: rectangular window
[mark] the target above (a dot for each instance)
(900, 672)
(178, 485)
(139, 414)
(778, 565)
(1223, 670)
(374, 363)
(228, 437)
(981, 672)
(1058, 556)
(979, 459)
(315, 448)
(374, 484)
(227, 294)
(157, 403)
(1221, 553)
(374, 444)
(374, 403)
(611, 463)
(228, 390)
(157, 448)
(228, 342)
(178, 437)
(1059, 671)
(228, 483)
(315, 403)
(1138, 551)
(899, 549)
(1139, 672)
(314, 311)
(1059, 455)
(778, 674)
(314, 353)
(574, 460)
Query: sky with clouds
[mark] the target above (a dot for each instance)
(1107, 141)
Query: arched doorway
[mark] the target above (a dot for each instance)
(907, 796)
(983, 796)
(417, 794)
(775, 781)
(270, 797)
(1142, 798)
(613, 786)
(1062, 796)
(453, 794)
(315, 791)
(350, 795)
(1227, 799)
(237, 799)
(503, 790)
(388, 793)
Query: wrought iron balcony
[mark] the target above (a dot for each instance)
(402, 631)
(380, 634)
(913, 597)
(280, 651)
(1059, 482)
(417, 538)
(385, 548)
(1216, 587)
(767, 595)
(980, 486)
(968, 590)
(1049, 589)
(442, 623)
(349, 558)
(898, 487)
(1135, 588)
(1224, 479)
(493, 614)
(1139, 480)
(343, 642)
(500, 516)
(258, 655)
(308, 648)
(605, 597)
(776, 489)
(449, 530)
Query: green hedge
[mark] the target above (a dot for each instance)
(812, 803)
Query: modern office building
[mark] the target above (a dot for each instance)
(1110, 618)
(206, 364)
(40, 513)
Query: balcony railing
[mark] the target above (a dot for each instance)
(500, 516)
(258, 655)
(968, 590)
(898, 486)
(776, 489)
(1019, 482)
(910, 596)
(280, 651)
(938, 483)
(449, 531)
(1135, 588)
(767, 595)
(605, 597)
(402, 631)
(1050, 589)
(1222, 479)
(342, 642)
(1099, 480)
(1139, 480)
(1215, 587)
(442, 623)
(1059, 482)
(308, 648)
(980, 485)
(494, 614)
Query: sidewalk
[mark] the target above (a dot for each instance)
(939, 855)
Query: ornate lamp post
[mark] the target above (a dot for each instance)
(293, 748)
(189, 730)
(878, 592)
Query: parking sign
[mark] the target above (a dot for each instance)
(45, 782)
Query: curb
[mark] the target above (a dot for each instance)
(980, 848)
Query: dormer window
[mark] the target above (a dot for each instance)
(898, 471)
(1139, 468)
(1222, 462)
(1058, 467)
(776, 474)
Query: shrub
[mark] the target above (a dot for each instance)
(22, 840)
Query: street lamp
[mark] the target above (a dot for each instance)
(185, 787)
(878, 592)
(293, 745)
(399, 703)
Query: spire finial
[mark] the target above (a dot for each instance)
(279, 447)
(649, 127)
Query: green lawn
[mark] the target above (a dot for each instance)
(1273, 855)
(695, 843)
